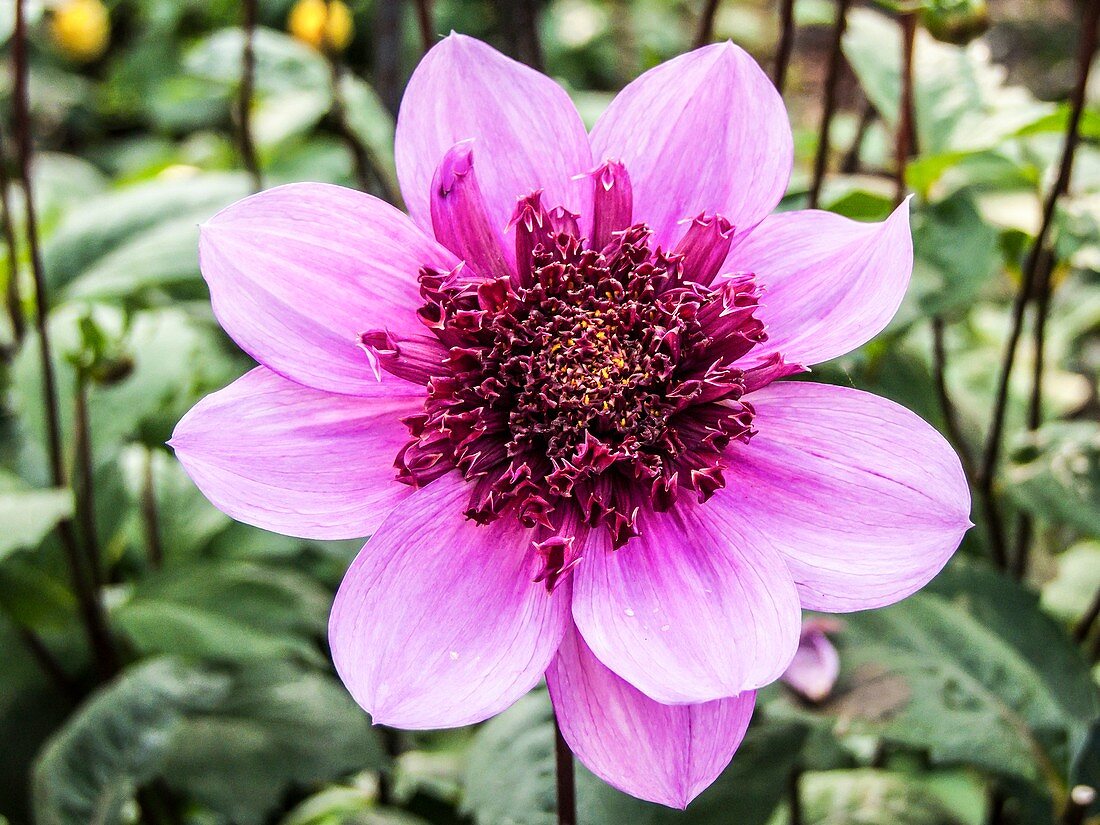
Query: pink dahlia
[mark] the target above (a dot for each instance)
(550, 395)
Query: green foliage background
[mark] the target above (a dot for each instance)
(973, 702)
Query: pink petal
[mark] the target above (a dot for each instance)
(816, 664)
(865, 501)
(527, 132)
(690, 611)
(830, 283)
(661, 753)
(437, 623)
(296, 273)
(295, 460)
(704, 132)
(459, 217)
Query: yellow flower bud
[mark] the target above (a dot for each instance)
(326, 25)
(80, 29)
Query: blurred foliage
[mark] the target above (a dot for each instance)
(970, 698)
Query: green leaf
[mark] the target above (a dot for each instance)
(227, 612)
(956, 255)
(27, 516)
(510, 777)
(872, 797)
(1054, 474)
(280, 728)
(90, 230)
(960, 97)
(971, 674)
(89, 771)
(1071, 591)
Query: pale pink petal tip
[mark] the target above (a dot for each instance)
(667, 754)
(816, 664)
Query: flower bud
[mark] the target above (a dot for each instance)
(955, 21)
(80, 29)
(326, 25)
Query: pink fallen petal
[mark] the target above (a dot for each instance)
(816, 664)
(437, 622)
(661, 753)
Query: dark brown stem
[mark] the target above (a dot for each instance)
(947, 406)
(1029, 274)
(149, 514)
(786, 44)
(85, 471)
(7, 224)
(850, 164)
(997, 801)
(1082, 629)
(904, 139)
(246, 91)
(392, 745)
(95, 623)
(424, 22)
(388, 19)
(566, 783)
(832, 78)
(522, 31)
(794, 796)
(705, 32)
(49, 665)
(364, 162)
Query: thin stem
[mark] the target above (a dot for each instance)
(794, 795)
(904, 139)
(786, 44)
(388, 19)
(85, 469)
(1082, 629)
(95, 623)
(424, 21)
(364, 162)
(947, 406)
(850, 164)
(246, 91)
(566, 787)
(523, 31)
(49, 664)
(391, 744)
(149, 513)
(7, 225)
(705, 32)
(832, 78)
(1029, 274)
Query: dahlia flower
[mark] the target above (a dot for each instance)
(551, 396)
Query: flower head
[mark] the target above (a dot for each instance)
(81, 29)
(553, 397)
(326, 25)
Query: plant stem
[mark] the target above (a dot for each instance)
(391, 744)
(947, 406)
(522, 29)
(149, 514)
(364, 161)
(904, 142)
(832, 78)
(424, 21)
(850, 164)
(244, 97)
(95, 623)
(1082, 629)
(566, 787)
(85, 471)
(1029, 274)
(388, 19)
(7, 223)
(705, 33)
(785, 45)
(794, 795)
